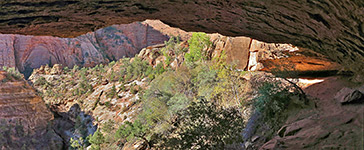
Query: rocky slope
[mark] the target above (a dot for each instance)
(334, 122)
(251, 54)
(332, 27)
(101, 46)
(25, 119)
(90, 88)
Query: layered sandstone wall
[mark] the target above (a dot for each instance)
(102, 46)
(25, 119)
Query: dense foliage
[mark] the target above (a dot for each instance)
(204, 125)
(176, 99)
(198, 44)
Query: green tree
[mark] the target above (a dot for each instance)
(66, 69)
(177, 103)
(96, 140)
(204, 125)
(172, 49)
(197, 44)
(75, 68)
(77, 144)
(112, 92)
(130, 131)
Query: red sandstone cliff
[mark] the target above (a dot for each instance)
(101, 46)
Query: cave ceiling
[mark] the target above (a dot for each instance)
(331, 27)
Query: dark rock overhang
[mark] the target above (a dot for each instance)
(331, 27)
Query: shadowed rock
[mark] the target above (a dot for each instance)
(24, 117)
(332, 27)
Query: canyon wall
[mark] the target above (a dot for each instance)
(112, 43)
(24, 117)
(102, 46)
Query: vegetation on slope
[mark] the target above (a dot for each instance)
(196, 105)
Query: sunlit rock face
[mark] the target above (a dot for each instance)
(102, 46)
(332, 27)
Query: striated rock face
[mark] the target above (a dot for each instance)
(102, 46)
(24, 117)
(332, 27)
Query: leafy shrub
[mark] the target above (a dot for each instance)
(204, 125)
(96, 140)
(77, 144)
(162, 102)
(198, 42)
(41, 81)
(131, 130)
(66, 69)
(136, 69)
(75, 68)
(111, 64)
(112, 92)
(12, 73)
(272, 101)
(108, 104)
(173, 48)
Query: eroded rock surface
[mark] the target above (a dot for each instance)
(328, 125)
(332, 27)
(25, 119)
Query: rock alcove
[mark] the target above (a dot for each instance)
(331, 27)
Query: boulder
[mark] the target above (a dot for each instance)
(348, 95)
(235, 48)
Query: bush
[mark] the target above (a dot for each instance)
(205, 126)
(272, 101)
(130, 130)
(12, 73)
(173, 48)
(77, 144)
(66, 69)
(96, 140)
(112, 92)
(41, 81)
(136, 69)
(198, 42)
(111, 64)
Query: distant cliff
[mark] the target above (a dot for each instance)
(101, 46)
